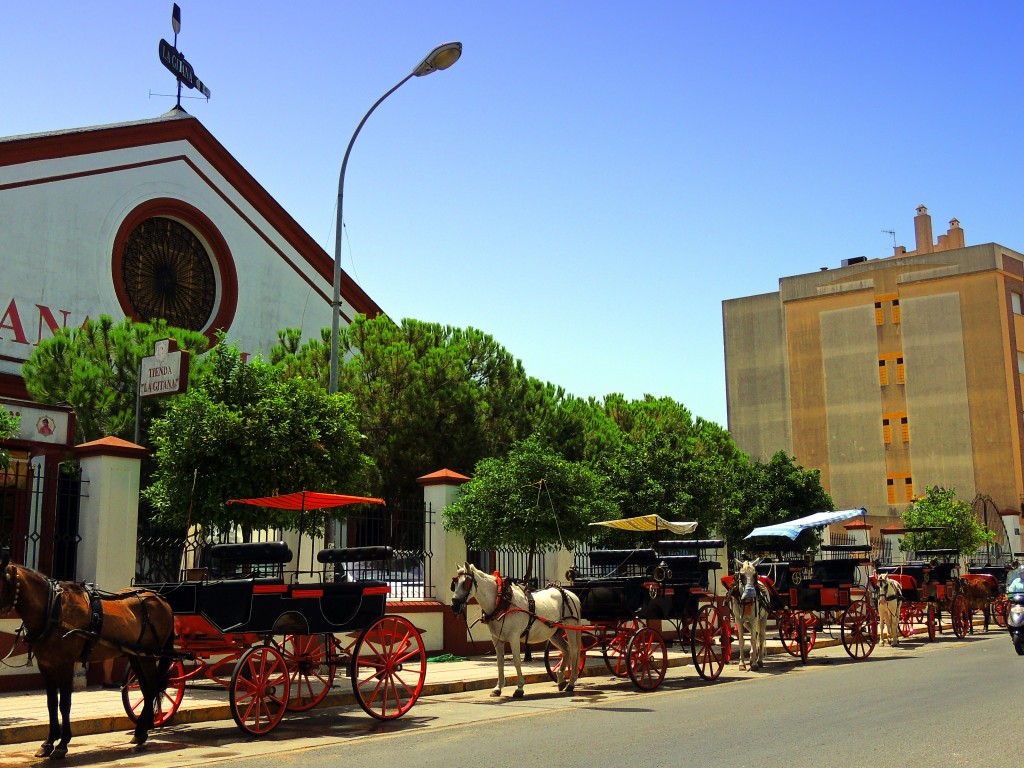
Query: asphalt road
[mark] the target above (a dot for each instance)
(948, 703)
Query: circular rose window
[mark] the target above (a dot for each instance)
(168, 274)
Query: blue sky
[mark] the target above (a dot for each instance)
(592, 179)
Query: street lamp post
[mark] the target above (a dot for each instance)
(441, 57)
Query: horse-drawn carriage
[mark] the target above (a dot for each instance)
(275, 638)
(820, 589)
(628, 596)
(930, 583)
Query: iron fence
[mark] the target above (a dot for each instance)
(168, 555)
(512, 563)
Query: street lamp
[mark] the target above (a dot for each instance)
(441, 57)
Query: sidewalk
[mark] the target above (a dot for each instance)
(24, 718)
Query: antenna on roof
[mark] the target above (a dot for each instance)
(890, 232)
(171, 58)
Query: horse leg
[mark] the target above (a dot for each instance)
(51, 707)
(762, 631)
(561, 644)
(60, 750)
(742, 641)
(499, 654)
(517, 659)
(146, 674)
(573, 641)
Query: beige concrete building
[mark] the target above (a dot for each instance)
(889, 375)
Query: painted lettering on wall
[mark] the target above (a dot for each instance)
(42, 319)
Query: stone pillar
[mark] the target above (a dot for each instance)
(891, 536)
(860, 531)
(108, 518)
(441, 489)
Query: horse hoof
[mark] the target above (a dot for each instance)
(44, 750)
(570, 688)
(562, 685)
(59, 753)
(518, 694)
(496, 692)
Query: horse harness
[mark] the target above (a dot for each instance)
(54, 610)
(503, 605)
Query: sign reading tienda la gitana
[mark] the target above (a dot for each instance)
(165, 372)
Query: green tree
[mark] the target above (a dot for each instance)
(670, 463)
(773, 492)
(95, 370)
(957, 527)
(8, 429)
(427, 396)
(533, 499)
(245, 429)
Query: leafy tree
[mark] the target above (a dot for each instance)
(773, 492)
(248, 430)
(533, 499)
(95, 370)
(668, 462)
(8, 429)
(426, 395)
(958, 526)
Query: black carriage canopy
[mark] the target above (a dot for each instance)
(794, 528)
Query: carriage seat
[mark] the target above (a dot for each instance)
(833, 573)
(780, 573)
(623, 561)
(985, 578)
(230, 560)
(354, 554)
(686, 569)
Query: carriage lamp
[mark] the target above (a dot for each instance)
(442, 57)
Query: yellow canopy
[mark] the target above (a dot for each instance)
(648, 523)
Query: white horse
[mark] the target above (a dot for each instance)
(750, 603)
(890, 595)
(514, 616)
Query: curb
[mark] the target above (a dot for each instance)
(88, 726)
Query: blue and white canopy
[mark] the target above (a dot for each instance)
(793, 528)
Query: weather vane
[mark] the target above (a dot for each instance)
(171, 58)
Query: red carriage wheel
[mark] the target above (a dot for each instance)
(908, 616)
(931, 621)
(859, 629)
(389, 665)
(790, 622)
(167, 703)
(311, 668)
(961, 615)
(646, 658)
(614, 644)
(259, 690)
(710, 642)
(553, 654)
(999, 610)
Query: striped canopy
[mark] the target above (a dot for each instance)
(793, 528)
(302, 500)
(646, 523)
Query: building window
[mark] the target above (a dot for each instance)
(883, 374)
(878, 313)
(886, 432)
(901, 376)
(909, 488)
(1015, 300)
(890, 490)
(905, 429)
(1020, 362)
(896, 310)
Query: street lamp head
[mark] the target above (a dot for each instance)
(441, 57)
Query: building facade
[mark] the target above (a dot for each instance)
(889, 375)
(148, 219)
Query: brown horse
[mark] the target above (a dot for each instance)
(980, 590)
(65, 622)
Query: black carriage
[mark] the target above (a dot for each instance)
(821, 589)
(628, 596)
(930, 582)
(275, 638)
